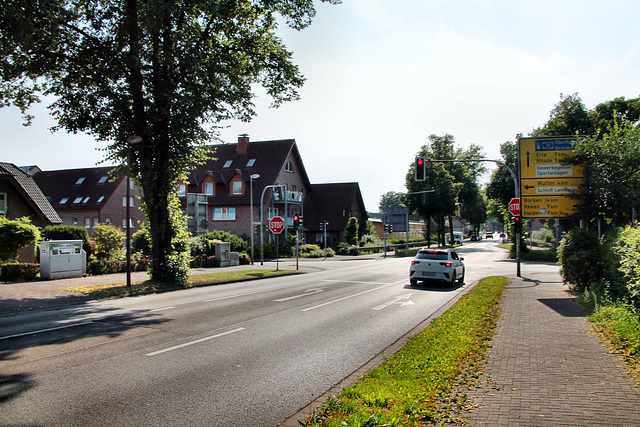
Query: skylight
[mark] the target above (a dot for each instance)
(77, 199)
(64, 200)
(251, 162)
(86, 199)
(80, 180)
(103, 179)
(100, 199)
(228, 164)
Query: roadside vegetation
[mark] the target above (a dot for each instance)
(408, 387)
(119, 289)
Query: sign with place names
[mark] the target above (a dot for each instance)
(547, 183)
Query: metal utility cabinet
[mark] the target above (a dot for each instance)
(61, 259)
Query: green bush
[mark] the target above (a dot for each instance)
(580, 257)
(15, 235)
(109, 241)
(237, 243)
(18, 272)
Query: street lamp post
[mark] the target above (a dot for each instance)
(252, 230)
(133, 139)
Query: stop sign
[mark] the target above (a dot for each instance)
(276, 224)
(514, 207)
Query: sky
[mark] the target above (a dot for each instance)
(383, 75)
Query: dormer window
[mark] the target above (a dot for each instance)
(228, 164)
(237, 187)
(80, 180)
(289, 166)
(182, 190)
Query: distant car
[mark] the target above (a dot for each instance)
(489, 235)
(474, 238)
(437, 264)
(503, 236)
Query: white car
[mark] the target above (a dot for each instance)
(437, 264)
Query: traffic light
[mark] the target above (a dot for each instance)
(517, 224)
(296, 222)
(388, 228)
(420, 169)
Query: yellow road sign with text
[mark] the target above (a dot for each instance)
(547, 184)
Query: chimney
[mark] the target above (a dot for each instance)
(243, 144)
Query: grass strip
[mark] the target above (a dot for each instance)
(120, 289)
(406, 389)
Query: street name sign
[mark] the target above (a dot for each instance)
(547, 184)
(276, 224)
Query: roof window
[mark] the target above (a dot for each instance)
(86, 200)
(228, 164)
(100, 199)
(251, 162)
(80, 180)
(77, 199)
(103, 179)
(64, 200)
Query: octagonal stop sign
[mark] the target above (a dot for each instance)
(514, 206)
(276, 224)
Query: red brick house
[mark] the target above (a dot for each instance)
(87, 197)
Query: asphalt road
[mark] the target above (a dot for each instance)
(244, 354)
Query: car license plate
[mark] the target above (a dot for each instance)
(428, 274)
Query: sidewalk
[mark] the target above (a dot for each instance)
(548, 368)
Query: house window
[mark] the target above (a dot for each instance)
(228, 164)
(224, 214)
(131, 223)
(251, 162)
(3, 203)
(103, 179)
(80, 180)
(64, 200)
(85, 200)
(208, 189)
(124, 201)
(87, 222)
(182, 190)
(237, 187)
(94, 221)
(289, 166)
(107, 220)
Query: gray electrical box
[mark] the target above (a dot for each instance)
(62, 259)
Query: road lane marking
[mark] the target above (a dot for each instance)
(396, 300)
(163, 308)
(176, 347)
(40, 331)
(306, 293)
(354, 295)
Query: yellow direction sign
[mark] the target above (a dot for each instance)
(546, 182)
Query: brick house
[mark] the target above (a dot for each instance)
(219, 192)
(20, 197)
(89, 196)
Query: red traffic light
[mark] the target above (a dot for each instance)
(295, 218)
(420, 161)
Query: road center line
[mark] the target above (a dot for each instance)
(176, 347)
(45, 330)
(354, 295)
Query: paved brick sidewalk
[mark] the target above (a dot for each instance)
(548, 368)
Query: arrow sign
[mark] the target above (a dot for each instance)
(402, 300)
(307, 293)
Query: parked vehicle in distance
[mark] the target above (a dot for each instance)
(474, 238)
(489, 235)
(437, 264)
(503, 236)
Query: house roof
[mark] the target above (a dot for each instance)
(265, 158)
(85, 189)
(32, 194)
(333, 203)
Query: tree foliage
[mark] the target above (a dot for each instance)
(109, 240)
(163, 70)
(15, 235)
(351, 232)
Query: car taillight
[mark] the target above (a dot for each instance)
(446, 264)
(415, 262)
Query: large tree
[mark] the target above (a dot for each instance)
(164, 70)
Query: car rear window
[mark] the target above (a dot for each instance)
(432, 255)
